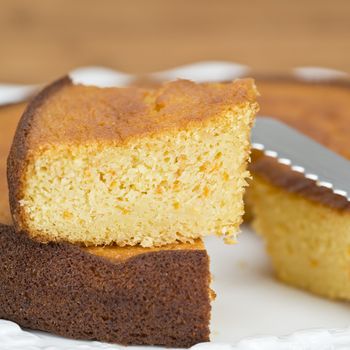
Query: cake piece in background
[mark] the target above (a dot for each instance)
(129, 166)
(129, 295)
(306, 228)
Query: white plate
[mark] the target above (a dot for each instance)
(252, 311)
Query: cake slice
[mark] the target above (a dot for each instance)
(131, 166)
(128, 295)
(306, 227)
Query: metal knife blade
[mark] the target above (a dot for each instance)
(302, 154)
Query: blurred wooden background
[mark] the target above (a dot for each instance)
(43, 39)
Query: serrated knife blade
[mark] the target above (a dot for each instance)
(304, 155)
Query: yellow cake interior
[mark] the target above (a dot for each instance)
(309, 243)
(174, 186)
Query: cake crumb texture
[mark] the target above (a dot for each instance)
(308, 242)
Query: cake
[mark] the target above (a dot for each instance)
(119, 295)
(93, 166)
(306, 228)
(130, 295)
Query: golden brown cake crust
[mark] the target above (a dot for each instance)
(65, 113)
(155, 298)
(282, 176)
(9, 116)
(319, 110)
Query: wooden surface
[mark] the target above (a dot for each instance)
(43, 39)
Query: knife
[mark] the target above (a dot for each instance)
(304, 155)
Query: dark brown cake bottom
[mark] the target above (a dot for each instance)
(119, 295)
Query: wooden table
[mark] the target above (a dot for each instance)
(43, 39)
